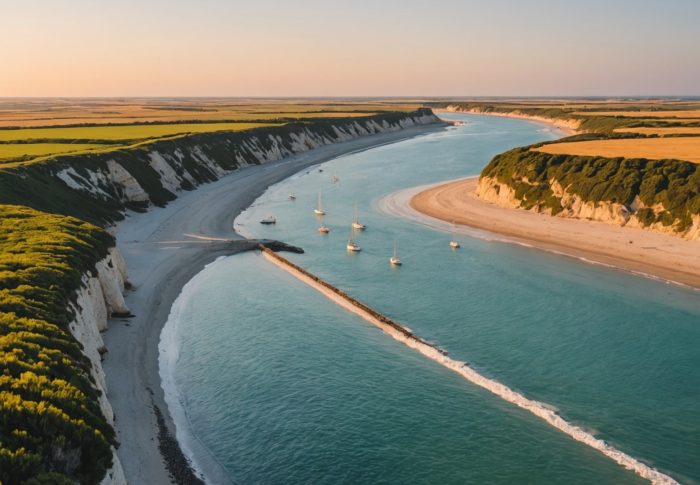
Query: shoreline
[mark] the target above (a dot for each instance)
(563, 126)
(636, 251)
(162, 256)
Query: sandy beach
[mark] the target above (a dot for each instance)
(164, 248)
(665, 256)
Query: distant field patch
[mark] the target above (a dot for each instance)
(126, 132)
(59, 112)
(643, 114)
(675, 130)
(10, 151)
(684, 148)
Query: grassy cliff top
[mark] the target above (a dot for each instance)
(51, 426)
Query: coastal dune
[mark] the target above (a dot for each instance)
(630, 248)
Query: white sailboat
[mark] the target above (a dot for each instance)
(352, 246)
(319, 207)
(454, 244)
(394, 260)
(356, 224)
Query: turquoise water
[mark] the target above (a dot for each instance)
(283, 386)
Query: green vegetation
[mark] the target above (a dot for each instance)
(51, 427)
(674, 184)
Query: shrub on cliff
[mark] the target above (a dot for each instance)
(674, 184)
(51, 426)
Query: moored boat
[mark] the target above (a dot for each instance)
(319, 207)
(356, 224)
(394, 260)
(454, 244)
(352, 245)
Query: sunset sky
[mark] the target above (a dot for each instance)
(349, 48)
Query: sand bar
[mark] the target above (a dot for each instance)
(665, 256)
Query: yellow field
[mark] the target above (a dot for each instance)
(684, 148)
(695, 113)
(57, 112)
(676, 130)
(127, 132)
(52, 121)
(10, 151)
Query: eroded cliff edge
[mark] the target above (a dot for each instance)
(657, 195)
(99, 187)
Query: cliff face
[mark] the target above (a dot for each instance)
(98, 187)
(99, 297)
(572, 125)
(572, 205)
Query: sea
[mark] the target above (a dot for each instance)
(276, 384)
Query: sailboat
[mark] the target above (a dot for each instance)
(352, 246)
(356, 224)
(394, 260)
(453, 242)
(319, 208)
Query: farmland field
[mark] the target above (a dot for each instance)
(693, 113)
(122, 132)
(58, 112)
(662, 131)
(11, 151)
(46, 127)
(678, 148)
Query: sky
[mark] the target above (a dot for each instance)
(305, 48)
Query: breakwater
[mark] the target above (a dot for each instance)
(402, 334)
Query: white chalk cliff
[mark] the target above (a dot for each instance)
(191, 163)
(99, 297)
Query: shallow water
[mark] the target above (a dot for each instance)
(283, 386)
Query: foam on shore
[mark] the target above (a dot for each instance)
(195, 451)
(402, 334)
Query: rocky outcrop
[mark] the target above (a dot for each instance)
(99, 297)
(572, 205)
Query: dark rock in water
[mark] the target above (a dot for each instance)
(277, 246)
